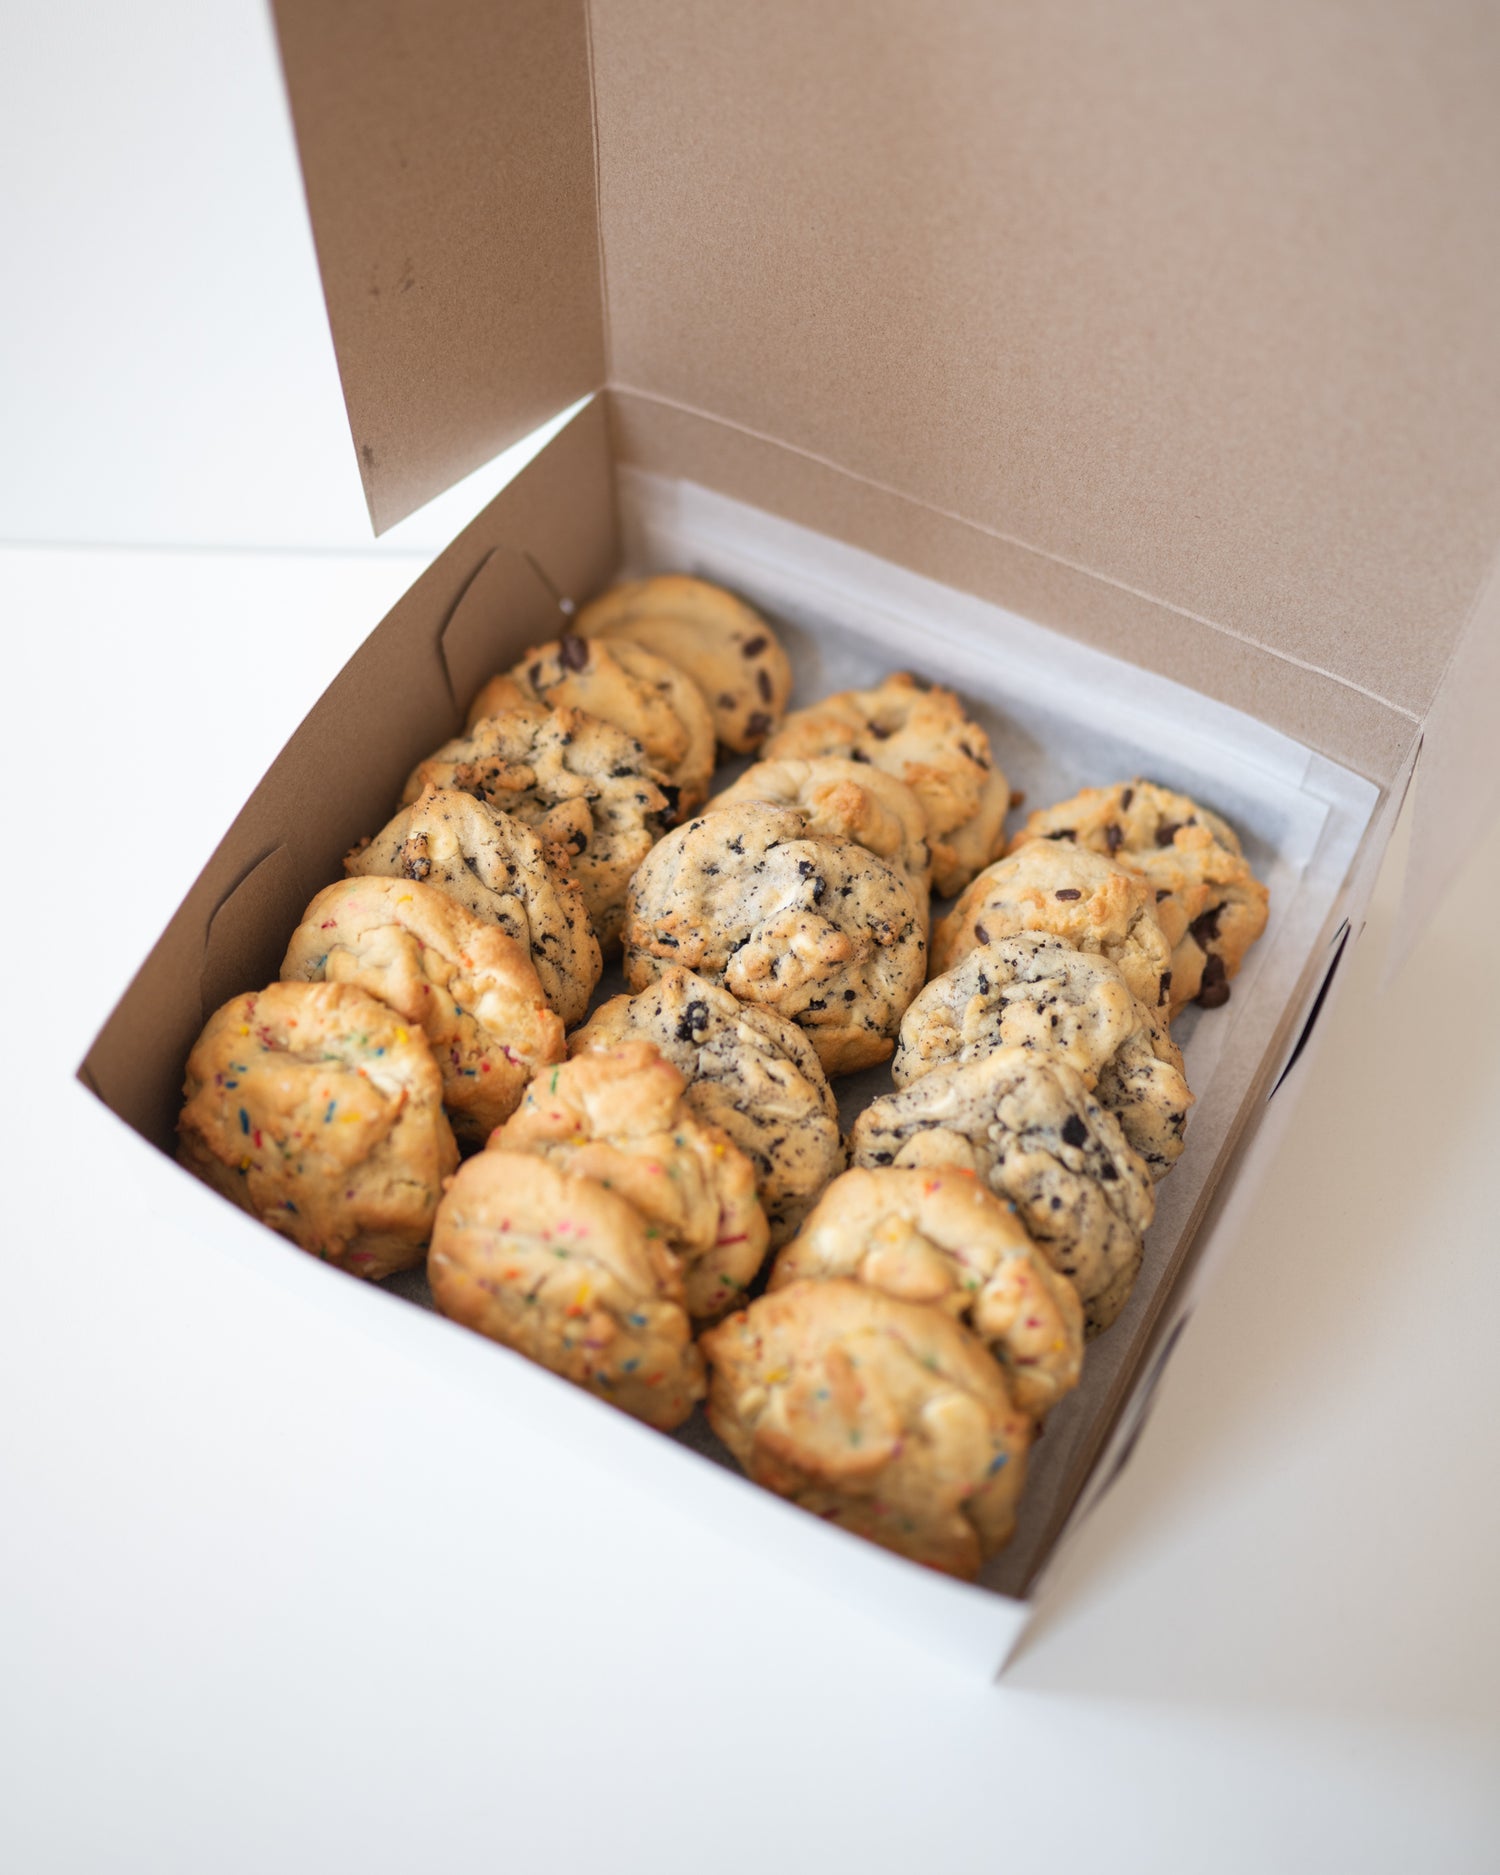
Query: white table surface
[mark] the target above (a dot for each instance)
(264, 1602)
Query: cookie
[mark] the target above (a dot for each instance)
(923, 736)
(885, 1417)
(468, 987)
(319, 1110)
(1076, 894)
(497, 868)
(726, 647)
(1036, 991)
(813, 929)
(1207, 901)
(551, 1264)
(619, 1116)
(749, 1072)
(847, 801)
(940, 1236)
(652, 700)
(1030, 1128)
(577, 781)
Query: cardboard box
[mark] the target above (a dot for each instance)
(1136, 373)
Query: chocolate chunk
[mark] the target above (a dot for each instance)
(1215, 990)
(757, 725)
(1125, 799)
(1068, 891)
(1206, 928)
(752, 647)
(693, 1018)
(1074, 1132)
(573, 651)
(1114, 839)
(763, 685)
(1166, 832)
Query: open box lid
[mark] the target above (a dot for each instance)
(1198, 301)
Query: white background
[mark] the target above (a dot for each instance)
(266, 1601)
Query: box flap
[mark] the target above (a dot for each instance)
(1199, 297)
(447, 151)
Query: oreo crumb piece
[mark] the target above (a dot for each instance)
(848, 996)
(1206, 928)
(883, 1158)
(566, 737)
(1074, 1132)
(711, 872)
(573, 651)
(981, 934)
(1125, 799)
(739, 944)
(1065, 833)
(820, 886)
(1166, 832)
(757, 725)
(736, 845)
(621, 774)
(805, 866)
(1109, 1172)
(1163, 986)
(752, 647)
(1114, 839)
(817, 1002)
(984, 984)
(1068, 891)
(1057, 1204)
(577, 842)
(670, 942)
(693, 1018)
(763, 685)
(1215, 991)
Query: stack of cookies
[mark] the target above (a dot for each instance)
(628, 1168)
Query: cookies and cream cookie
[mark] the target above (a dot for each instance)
(652, 700)
(885, 1417)
(497, 868)
(1036, 991)
(818, 930)
(1076, 894)
(465, 984)
(924, 737)
(576, 780)
(618, 1116)
(848, 801)
(939, 1235)
(1207, 901)
(726, 647)
(319, 1110)
(748, 1071)
(551, 1264)
(1029, 1127)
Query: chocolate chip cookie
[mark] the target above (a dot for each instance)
(814, 929)
(1030, 1128)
